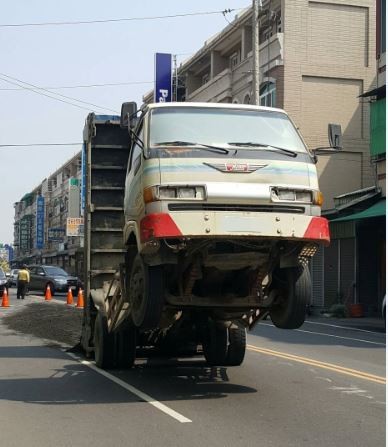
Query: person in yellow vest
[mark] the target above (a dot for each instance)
(23, 281)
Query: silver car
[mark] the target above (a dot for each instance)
(13, 278)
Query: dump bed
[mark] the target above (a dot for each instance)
(107, 149)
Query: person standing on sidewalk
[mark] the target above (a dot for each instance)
(23, 281)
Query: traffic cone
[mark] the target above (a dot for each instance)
(5, 300)
(69, 299)
(80, 299)
(47, 295)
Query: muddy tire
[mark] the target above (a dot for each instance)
(146, 294)
(293, 297)
(104, 344)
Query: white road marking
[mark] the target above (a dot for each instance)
(342, 327)
(143, 396)
(331, 335)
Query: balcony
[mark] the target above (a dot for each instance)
(217, 89)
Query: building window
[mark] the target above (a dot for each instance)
(268, 94)
(268, 33)
(247, 99)
(234, 60)
(279, 24)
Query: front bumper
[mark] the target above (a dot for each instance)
(199, 224)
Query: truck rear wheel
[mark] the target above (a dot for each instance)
(215, 344)
(146, 294)
(289, 309)
(104, 344)
(224, 346)
(236, 347)
(125, 347)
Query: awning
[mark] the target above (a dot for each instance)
(376, 210)
(379, 92)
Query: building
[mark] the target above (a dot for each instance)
(355, 263)
(40, 227)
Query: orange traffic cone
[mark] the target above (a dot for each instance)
(5, 300)
(69, 299)
(47, 295)
(80, 299)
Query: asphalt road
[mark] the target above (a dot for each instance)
(321, 385)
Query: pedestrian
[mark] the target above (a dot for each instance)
(23, 281)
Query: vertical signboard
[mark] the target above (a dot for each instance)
(39, 224)
(25, 233)
(83, 178)
(163, 78)
(74, 198)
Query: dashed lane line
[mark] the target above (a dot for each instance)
(143, 396)
(329, 366)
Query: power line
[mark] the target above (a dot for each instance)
(40, 90)
(125, 19)
(40, 144)
(110, 84)
(43, 94)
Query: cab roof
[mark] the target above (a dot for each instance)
(212, 105)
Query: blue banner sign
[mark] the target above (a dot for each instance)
(163, 78)
(56, 234)
(39, 243)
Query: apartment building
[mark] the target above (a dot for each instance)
(41, 220)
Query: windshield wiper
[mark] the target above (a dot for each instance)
(269, 147)
(217, 149)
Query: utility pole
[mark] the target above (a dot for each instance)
(255, 52)
(175, 93)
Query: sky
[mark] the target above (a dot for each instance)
(74, 55)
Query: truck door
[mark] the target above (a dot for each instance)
(133, 200)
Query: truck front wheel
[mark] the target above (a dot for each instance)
(293, 294)
(146, 294)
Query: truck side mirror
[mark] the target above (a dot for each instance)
(335, 136)
(128, 115)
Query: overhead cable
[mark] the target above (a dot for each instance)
(123, 19)
(110, 84)
(40, 144)
(41, 90)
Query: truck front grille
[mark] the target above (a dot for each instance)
(247, 208)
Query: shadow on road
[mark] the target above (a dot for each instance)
(163, 379)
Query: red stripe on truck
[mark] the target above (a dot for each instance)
(158, 225)
(318, 230)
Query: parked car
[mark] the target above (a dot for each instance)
(3, 282)
(42, 276)
(13, 277)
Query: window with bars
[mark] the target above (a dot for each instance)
(268, 94)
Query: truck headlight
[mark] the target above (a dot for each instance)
(168, 192)
(291, 195)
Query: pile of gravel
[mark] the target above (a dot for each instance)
(53, 321)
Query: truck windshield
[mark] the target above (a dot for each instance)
(219, 127)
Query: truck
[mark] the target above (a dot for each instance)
(200, 221)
